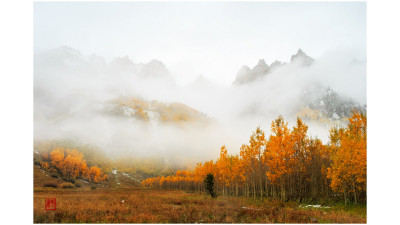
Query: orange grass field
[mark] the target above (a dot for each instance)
(135, 205)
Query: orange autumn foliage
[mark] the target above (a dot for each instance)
(279, 151)
(287, 165)
(348, 149)
(70, 163)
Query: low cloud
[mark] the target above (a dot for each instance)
(72, 92)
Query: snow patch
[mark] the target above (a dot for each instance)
(335, 116)
(153, 115)
(314, 206)
(128, 111)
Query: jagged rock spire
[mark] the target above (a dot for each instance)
(301, 58)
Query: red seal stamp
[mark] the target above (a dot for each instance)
(50, 204)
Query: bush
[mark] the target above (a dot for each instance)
(37, 162)
(93, 187)
(78, 184)
(51, 184)
(70, 180)
(67, 185)
(55, 175)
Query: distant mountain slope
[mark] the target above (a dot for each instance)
(330, 103)
(315, 102)
(154, 111)
(69, 60)
(152, 69)
(325, 105)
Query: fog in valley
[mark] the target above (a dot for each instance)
(74, 94)
(178, 80)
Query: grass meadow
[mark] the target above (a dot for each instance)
(135, 205)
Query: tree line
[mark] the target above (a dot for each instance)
(71, 165)
(288, 165)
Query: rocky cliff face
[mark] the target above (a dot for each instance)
(329, 103)
(301, 58)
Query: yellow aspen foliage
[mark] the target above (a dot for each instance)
(44, 165)
(348, 148)
(288, 165)
(279, 151)
(70, 163)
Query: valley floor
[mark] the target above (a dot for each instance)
(136, 205)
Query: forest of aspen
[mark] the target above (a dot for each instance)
(286, 177)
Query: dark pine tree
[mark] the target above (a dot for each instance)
(209, 182)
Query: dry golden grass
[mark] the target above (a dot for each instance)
(162, 206)
(134, 205)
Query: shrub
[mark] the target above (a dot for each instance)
(93, 187)
(37, 162)
(67, 185)
(54, 174)
(78, 184)
(51, 184)
(71, 180)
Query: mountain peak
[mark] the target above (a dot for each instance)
(123, 62)
(302, 58)
(244, 69)
(261, 62)
(63, 55)
(156, 69)
(275, 65)
(157, 63)
(246, 75)
(70, 50)
(243, 75)
(261, 68)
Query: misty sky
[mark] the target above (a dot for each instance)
(210, 38)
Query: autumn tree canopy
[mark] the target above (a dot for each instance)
(71, 165)
(288, 165)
